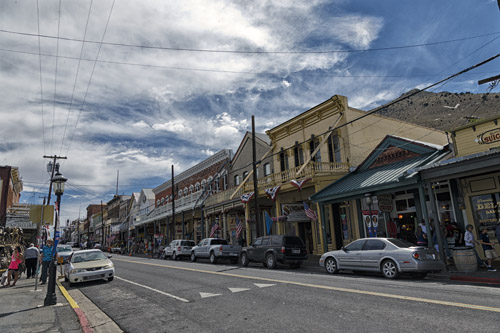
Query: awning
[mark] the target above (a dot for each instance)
(385, 178)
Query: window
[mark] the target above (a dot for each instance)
(267, 169)
(236, 180)
(266, 241)
(313, 144)
(283, 161)
(185, 191)
(157, 202)
(180, 193)
(191, 188)
(298, 154)
(197, 187)
(245, 174)
(258, 242)
(373, 244)
(355, 246)
(334, 149)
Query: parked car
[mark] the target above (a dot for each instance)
(97, 246)
(179, 248)
(390, 256)
(88, 265)
(64, 251)
(271, 250)
(215, 249)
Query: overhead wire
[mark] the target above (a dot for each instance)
(55, 77)
(41, 84)
(76, 77)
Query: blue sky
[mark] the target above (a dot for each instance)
(208, 67)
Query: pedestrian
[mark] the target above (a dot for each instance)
(30, 258)
(489, 252)
(471, 242)
(459, 235)
(15, 263)
(421, 237)
(46, 258)
(497, 231)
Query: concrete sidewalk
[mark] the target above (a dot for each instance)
(22, 310)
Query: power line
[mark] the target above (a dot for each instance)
(55, 78)
(76, 76)
(41, 85)
(248, 52)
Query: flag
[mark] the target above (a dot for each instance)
(246, 197)
(269, 222)
(310, 213)
(215, 227)
(239, 227)
(301, 183)
(272, 192)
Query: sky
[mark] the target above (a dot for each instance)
(134, 87)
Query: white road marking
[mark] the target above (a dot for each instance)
(264, 285)
(205, 295)
(237, 290)
(153, 289)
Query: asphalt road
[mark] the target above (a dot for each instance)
(150, 295)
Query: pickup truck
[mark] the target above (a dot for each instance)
(215, 249)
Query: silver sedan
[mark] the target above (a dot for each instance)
(389, 256)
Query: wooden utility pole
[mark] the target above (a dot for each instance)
(255, 187)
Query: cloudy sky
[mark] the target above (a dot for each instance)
(164, 82)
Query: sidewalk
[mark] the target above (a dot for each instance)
(481, 276)
(22, 310)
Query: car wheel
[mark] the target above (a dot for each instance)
(174, 256)
(389, 269)
(193, 257)
(111, 279)
(419, 276)
(331, 265)
(213, 258)
(244, 260)
(271, 261)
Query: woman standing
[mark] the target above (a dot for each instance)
(15, 261)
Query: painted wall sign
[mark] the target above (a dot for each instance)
(486, 209)
(488, 137)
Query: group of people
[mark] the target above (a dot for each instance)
(31, 257)
(453, 236)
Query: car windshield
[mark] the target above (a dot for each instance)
(88, 256)
(401, 243)
(64, 248)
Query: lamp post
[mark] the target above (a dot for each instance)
(51, 298)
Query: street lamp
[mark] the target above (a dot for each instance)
(51, 298)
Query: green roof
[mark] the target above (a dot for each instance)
(386, 177)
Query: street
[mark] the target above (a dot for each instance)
(150, 295)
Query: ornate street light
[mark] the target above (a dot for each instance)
(58, 180)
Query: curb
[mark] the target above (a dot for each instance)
(84, 323)
(475, 279)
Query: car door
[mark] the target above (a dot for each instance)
(168, 250)
(204, 248)
(349, 257)
(373, 250)
(261, 250)
(253, 249)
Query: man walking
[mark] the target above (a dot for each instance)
(45, 259)
(30, 257)
(497, 231)
(488, 248)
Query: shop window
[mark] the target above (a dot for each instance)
(401, 205)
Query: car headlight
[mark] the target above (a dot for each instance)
(77, 270)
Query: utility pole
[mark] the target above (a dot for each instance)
(173, 201)
(54, 167)
(102, 225)
(255, 188)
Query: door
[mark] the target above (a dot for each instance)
(350, 256)
(260, 251)
(203, 249)
(373, 250)
(253, 249)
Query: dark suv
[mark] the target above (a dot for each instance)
(271, 250)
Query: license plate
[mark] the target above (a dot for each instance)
(233, 254)
(296, 251)
(93, 277)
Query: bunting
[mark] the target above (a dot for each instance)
(272, 192)
(246, 197)
(299, 184)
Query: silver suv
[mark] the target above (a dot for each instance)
(179, 248)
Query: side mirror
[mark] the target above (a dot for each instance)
(109, 257)
(344, 249)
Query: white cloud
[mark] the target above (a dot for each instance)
(175, 126)
(141, 124)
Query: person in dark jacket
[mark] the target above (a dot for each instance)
(30, 258)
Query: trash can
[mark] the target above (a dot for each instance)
(465, 259)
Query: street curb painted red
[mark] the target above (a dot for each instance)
(84, 323)
(475, 279)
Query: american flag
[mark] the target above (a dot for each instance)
(239, 227)
(310, 213)
(215, 227)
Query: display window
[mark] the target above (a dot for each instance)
(486, 209)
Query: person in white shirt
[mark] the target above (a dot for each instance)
(470, 241)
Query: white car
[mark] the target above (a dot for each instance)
(179, 248)
(88, 265)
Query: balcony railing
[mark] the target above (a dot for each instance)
(223, 196)
(166, 209)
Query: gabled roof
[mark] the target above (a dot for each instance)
(260, 138)
(398, 174)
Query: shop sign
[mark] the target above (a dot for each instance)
(19, 222)
(385, 202)
(294, 212)
(488, 137)
(486, 209)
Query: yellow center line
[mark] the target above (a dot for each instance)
(310, 285)
(70, 299)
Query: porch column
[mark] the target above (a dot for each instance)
(437, 230)
(423, 208)
(247, 225)
(280, 230)
(323, 230)
(226, 228)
